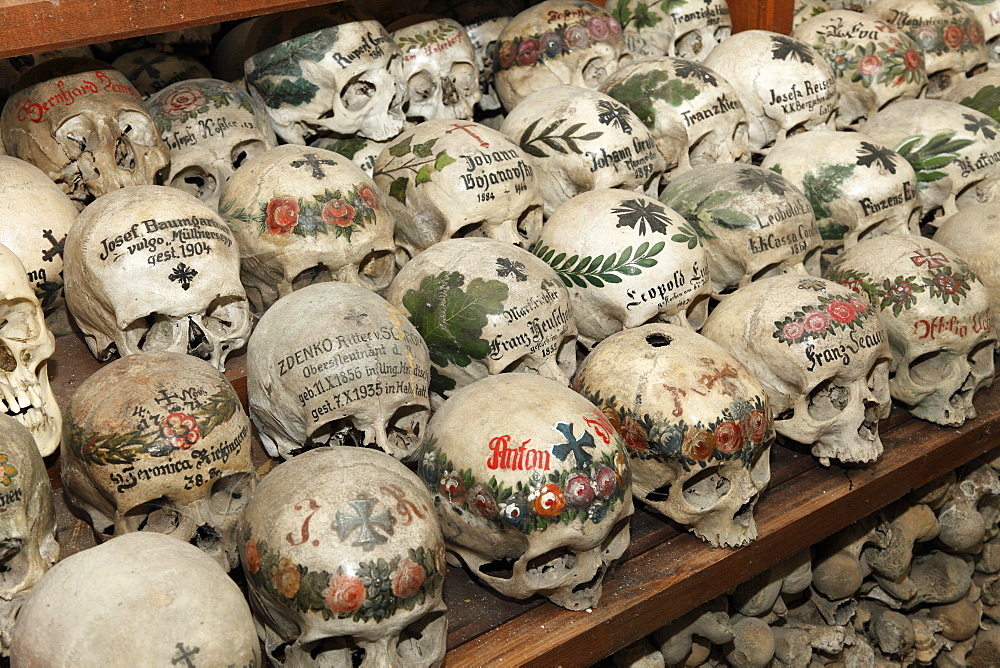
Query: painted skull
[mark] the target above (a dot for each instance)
(557, 42)
(485, 307)
(159, 442)
(937, 315)
(355, 372)
(699, 26)
(753, 222)
(820, 353)
(151, 268)
(626, 261)
(785, 85)
(584, 140)
(359, 150)
(980, 92)
(84, 125)
(696, 424)
(973, 234)
(874, 62)
(303, 215)
(211, 128)
(532, 487)
(152, 70)
(647, 26)
(345, 562)
(449, 178)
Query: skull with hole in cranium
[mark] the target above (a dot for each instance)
(937, 315)
(159, 442)
(303, 215)
(354, 373)
(820, 353)
(151, 268)
(696, 424)
(532, 487)
(84, 125)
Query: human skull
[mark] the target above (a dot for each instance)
(532, 487)
(485, 36)
(151, 268)
(948, 32)
(84, 125)
(35, 215)
(448, 178)
(28, 546)
(626, 262)
(439, 65)
(973, 234)
(806, 9)
(874, 62)
(953, 149)
(988, 13)
(12, 68)
(159, 442)
(980, 92)
(820, 353)
(211, 128)
(173, 604)
(753, 223)
(486, 307)
(699, 26)
(354, 372)
(938, 318)
(345, 562)
(359, 150)
(25, 348)
(785, 85)
(858, 188)
(584, 140)
(696, 424)
(346, 79)
(557, 42)
(302, 215)
(647, 26)
(152, 70)
(708, 120)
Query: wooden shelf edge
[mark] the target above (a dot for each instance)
(648, 591)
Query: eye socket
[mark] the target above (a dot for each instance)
(196, 181)
(76, 135)
(138, 128)
(245, 151)
(357, 94)
(594, 72)
(18, 320)
(465, 77)
(157, 515)
(422, 86)
(230, 494)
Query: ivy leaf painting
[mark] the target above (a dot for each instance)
(622, 12)
(639, 91)
(986, 100)
(348, 147)
(689, 69)
(786, 48)
(398, 187)
(985, 125)
(442, 160)
(637, 214)
(451, 319)
(402, 148)
(823, 187)
(423, 150)
(869, 155)
(290, 91)
(929, 154)
(643, 17)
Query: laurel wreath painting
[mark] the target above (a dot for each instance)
(156, 437)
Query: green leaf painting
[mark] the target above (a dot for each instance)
(558, 140)
(416, 161)
(986, 100)
(596, 271)
(640, 91)
(276, 73)
(702, 206)
(929, 155)
(451, 318)
(823, 186)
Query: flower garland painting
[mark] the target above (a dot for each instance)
(531, 50)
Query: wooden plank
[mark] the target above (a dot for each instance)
(773, 15)
(646, 592)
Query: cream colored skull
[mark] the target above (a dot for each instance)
(948, 32)
(35, 215)
(938, 318)
(858, 187)
(583, 140)
(647, 26)
(973, 234)
(151, 268)
(753, 223)
(159, 442)
(485, 307)
(28, 546)
(439, 64)
(532, 487)
(557, 42)
(354, 372)
(211, 128)
(25, 348)
(85, 127)
(785, 85)
(955, 151)
(359, 150)
(699, 27)
(345, 562)
(697, 425)
(820, 353)
(173, 603)
(151, 70)
(622, 257)
(448, 178)
(979, 92)
(707, 122)
(303, 215)
(806, 9)
(346, 79)
(874, 62)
